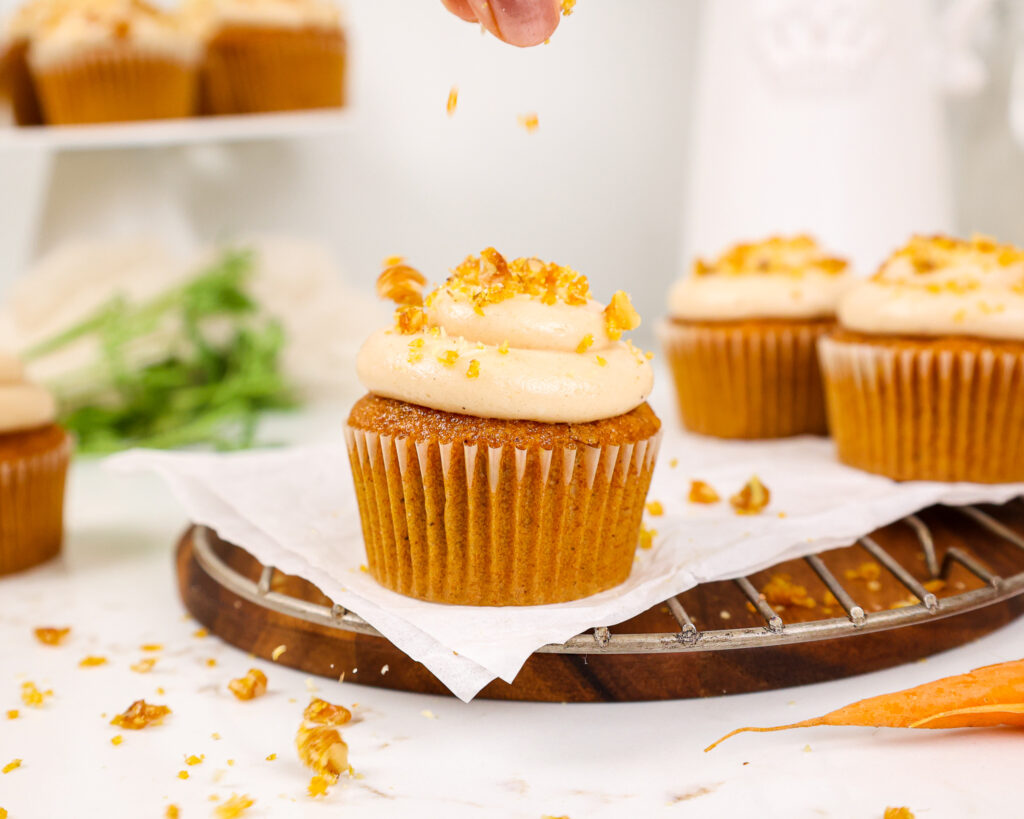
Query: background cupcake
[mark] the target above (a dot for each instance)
(741, 338)
(34, 455)
(925, 374)
(505, 449)
(113, 60)
(270, 55)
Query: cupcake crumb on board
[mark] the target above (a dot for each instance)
(654, 508)
(646, 540)
(898, 813)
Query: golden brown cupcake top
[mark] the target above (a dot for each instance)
(790, 255)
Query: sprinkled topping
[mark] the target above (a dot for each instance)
(448, 358)
(503, 349)
(702, 492)
(601, 361)
(619, 315)
(415, 346)
(777, 254)
(49, 636)
(473, 371)
(528, 122)
(585, 343)
(927, 254)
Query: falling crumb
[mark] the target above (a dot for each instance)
(318, 786)
(724, 615)
(32, 696)
(151, 647)
(14, 764)
(277, 652)
(428, 714)
(673, 463)
(703, 492)
(568, 6)
(194, 760)
(172, 812)
(139, 715)
(210, 662)
(655, 508)
(116, 740)
(231, 762)
(528, 122)
(253, 684)
(182, 774)
(13, 714)
(271, 757)
(647, 536)
(585, 343)
(92, 662)
(234, 807)
(50, 636)
(384, 669)
(453, 101)
(143, 666)
(201, 633)
(752, 498)
(807, 749)
(898, 813)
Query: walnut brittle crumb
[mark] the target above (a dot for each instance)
(139, 715)
(195, 760)
(50, 636)
(654, 508)
(201, 633)
(172, 812)
(780, 590)
(867, 571)
(702, 492)
(752, 498)
(453, 100)
(318, 785)
(402, 284)
(251, 686)
(92, 661)
(322, 749)
(13, 765)
(152, 647)
(234, 807)
(528, 122)
(647, 537)
(32, 696)
(322, 712)
(567, 7)
(183, 774)
(13, 714)
(143, 666)
(898, 813)
(620, 315)
(116, 740)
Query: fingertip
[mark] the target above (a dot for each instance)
(461, 9)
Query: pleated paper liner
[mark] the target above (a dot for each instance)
(33, 466)
(747, 379)
(251, 69)
(941, 410)
(20, 85)
(490, 526)
(116, 85)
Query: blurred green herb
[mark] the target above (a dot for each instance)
(220, 370)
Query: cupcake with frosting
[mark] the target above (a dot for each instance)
(925, 373)
(34, 454)
(741, 338)
(504, 451)
(113, 60)
(270, 55)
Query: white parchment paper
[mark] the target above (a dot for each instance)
(296, 509)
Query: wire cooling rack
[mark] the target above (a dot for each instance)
(688, 638)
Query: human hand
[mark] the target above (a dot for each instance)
(519, 22)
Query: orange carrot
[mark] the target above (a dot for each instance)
(986, 697)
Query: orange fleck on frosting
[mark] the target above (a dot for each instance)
(448, 358)
(778, 254)
(585, 343)
(473, 371)
(620, 315)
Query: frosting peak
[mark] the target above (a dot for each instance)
(520, 339)
(937, 285)
(778, 278)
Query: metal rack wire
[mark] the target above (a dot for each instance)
(688, 637)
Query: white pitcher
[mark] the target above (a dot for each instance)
(825, 116)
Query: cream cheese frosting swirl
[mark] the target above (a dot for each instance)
(22, 405)
(938, 286)
(779, 278)
(521, 340)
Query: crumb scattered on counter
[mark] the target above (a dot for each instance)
(654, 508)
(428, 714)
(92, 661)
(143, 666)
(13, 714)
(647, 536)
(752, 498)
(49, 636)
(321, 712)
(32, 696)
(172, 812)
(251, 686)
(271, 757)
(182, 774)
(234, 807)
(453, 100)
(201, 633)
(139, 715)
(195, 760)
(13, 765)
(528, 122)
(898, 813)
(116, 740)
(151, 647)
(703, 492)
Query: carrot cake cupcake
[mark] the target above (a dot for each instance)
(504, 451)
(270, 55)
(925, 373)
(741, 338)
(113, 60)
(34, 454)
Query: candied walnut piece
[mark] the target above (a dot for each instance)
(50, 636)
(251, 686)
(453, 100)
(410, 319)
(702, 492)
(620, 315)
(752, 498)
(585, 343)
(402, 284)
(780, 590)
(139, 715)
(322, 712)
(143, 666)
(321, 748)
(234, 807)
(32, 696)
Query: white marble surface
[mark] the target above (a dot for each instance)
(115, 587)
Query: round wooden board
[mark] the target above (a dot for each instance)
(374, 661)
